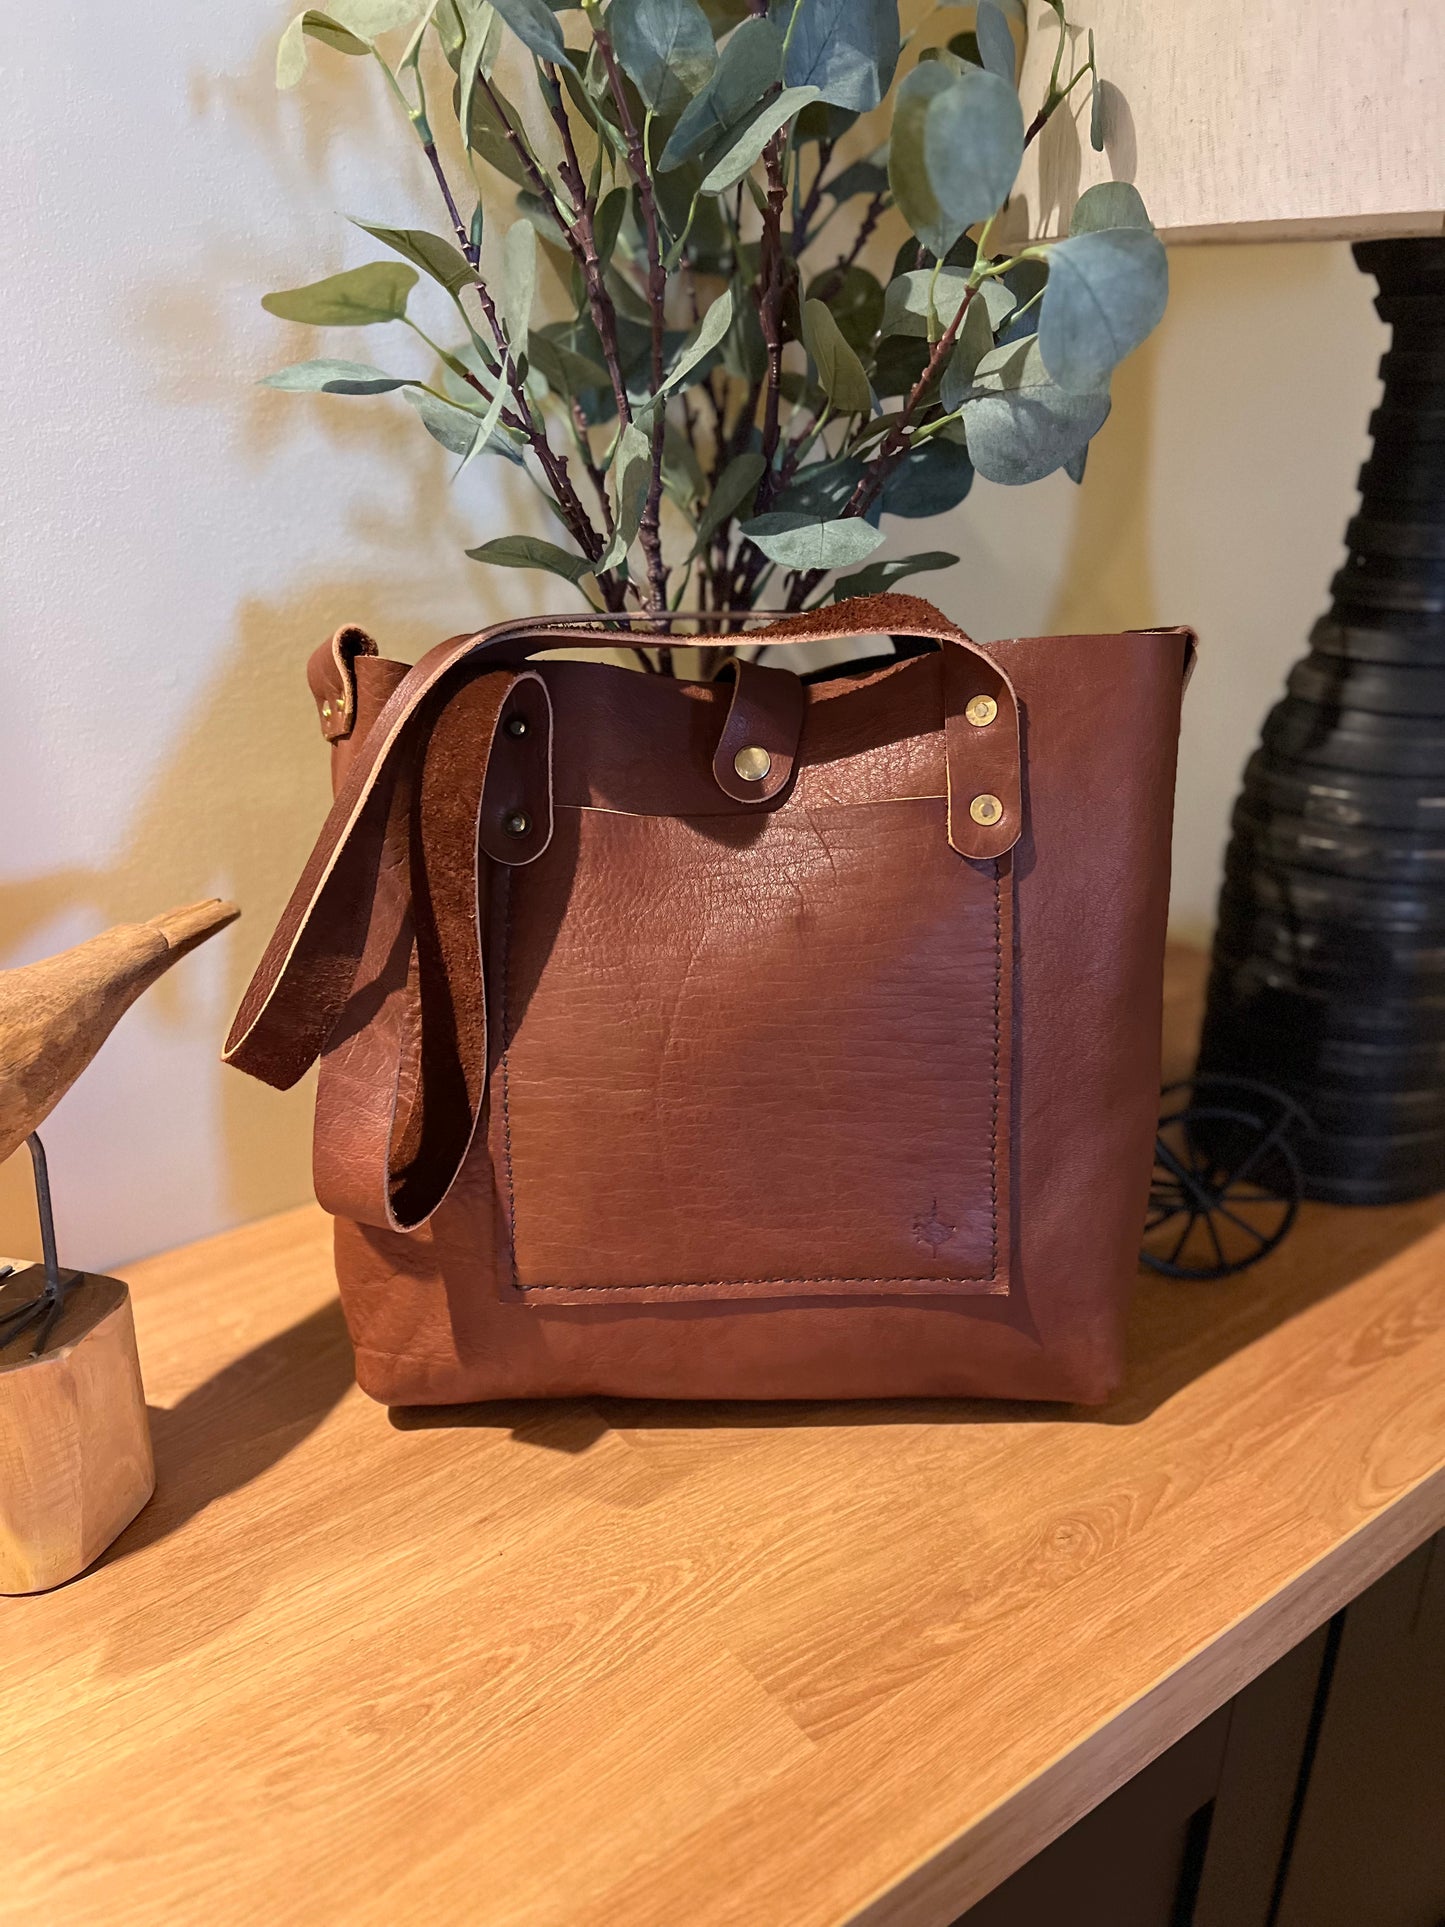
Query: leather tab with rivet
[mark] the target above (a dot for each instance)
(331, 678)
(758, 747)
(515, 825)
(984, 756)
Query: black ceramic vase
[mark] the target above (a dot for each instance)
(1329, 957)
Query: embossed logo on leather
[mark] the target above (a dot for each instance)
(933, 1231)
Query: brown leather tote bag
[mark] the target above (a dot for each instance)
(743, 1040)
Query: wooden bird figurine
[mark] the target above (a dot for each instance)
(55, 1015)
(76, 1464)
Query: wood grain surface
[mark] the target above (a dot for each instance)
(656, 1666)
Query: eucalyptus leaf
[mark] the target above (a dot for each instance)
(855, 300)
(484, 428)
(881, 576)
(749, 64)
(667, 48)
(930, 480)
(846, 49)
(747, 150)
(1021, 425)
(908, 173)
(973, 342)
(973, 146)
(839, 369)
(312, 25)
(1109, 204)
(453, 424)
(914, 304)
(682, 478)
(517, 283)
(353, 299)
(733, 492)
(373, 17)
(1096, 103)
(535, 25)
(798, 542)
(487, 137)
(530, 552)
(630, 475)
(860, 177)
(480, 47)
(995, 42)
(1105, 293)
(442, 260)
(334, 378)
(702, 340)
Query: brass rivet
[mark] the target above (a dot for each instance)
(516, 725)
(752, 763)
(981, 711)
(326, 709)
(985, 809)
(517, 824)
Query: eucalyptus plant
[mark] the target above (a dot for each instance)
(725, 394)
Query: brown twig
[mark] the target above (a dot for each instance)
(650, 531)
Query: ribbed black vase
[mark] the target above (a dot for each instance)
(1329, 957)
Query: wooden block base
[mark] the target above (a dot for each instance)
(75, 1444)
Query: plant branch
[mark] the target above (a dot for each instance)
(650, 531)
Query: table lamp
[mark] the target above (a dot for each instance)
(1245, 122)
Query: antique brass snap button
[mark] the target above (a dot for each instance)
(985, 809)
(981, 711)
(752, 763)
(517, 823)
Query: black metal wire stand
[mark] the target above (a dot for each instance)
(43, 1311)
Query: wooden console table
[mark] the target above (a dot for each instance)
(629, 1665)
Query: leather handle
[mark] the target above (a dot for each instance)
(981, 714)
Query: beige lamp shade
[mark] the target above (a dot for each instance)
(1247, 119)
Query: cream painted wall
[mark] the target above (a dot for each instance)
(176, 540)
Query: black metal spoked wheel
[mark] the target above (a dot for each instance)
(1227, 1182)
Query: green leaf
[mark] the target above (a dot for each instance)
(530, 552)
(682, 478)
(750, 62)
(799, 542)
(908, 173)
(914, 305)
(353, 299)
(746, 151)
(839, 370)
(480, 47)
(973, 146)
(995, 42)
(487, 137)
(373, 17)
(1106, 292)
(566, 372)
(334, 378)
(454, 425)
(442, 260)
(631, 473)
(734, 491)
(1020, 424)
(745, 353)
(291, 48)
(517, 283)
(855, 300)
(485, 428)
(847, 49)
(535, 25)
(974, 341)
(931, 479)
(702, 340)
(860, 177)
(881, 576)
(1096, 103)
(667, 48)
(1109, 204)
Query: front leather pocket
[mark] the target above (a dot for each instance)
(759, 1056)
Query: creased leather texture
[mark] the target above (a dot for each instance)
(637, 1080)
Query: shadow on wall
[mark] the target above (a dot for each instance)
(234, 799)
